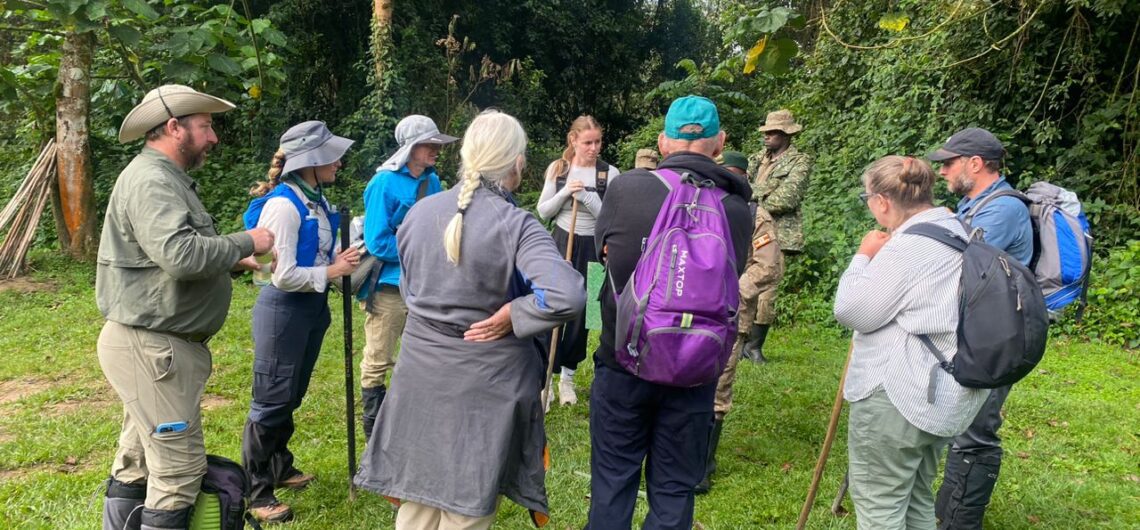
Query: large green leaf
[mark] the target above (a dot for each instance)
(223, 64)
(181, 70)
(129, 36)
(778, 55)
(141, 8)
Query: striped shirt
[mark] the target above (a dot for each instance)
(909, 288)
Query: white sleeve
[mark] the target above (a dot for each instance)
(551, 199)
(280, 216)
(873, 291)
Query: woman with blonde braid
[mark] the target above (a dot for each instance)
(579, 176)
(481, 278)
(291, 314)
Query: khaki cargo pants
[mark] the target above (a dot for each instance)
(383, 325)
(160, 379)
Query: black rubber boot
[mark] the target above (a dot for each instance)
(166, 519)
(122, 506)
(373, 397)
(710, 463)
(754, 349)
(966, 490)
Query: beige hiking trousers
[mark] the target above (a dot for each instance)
(160, 379)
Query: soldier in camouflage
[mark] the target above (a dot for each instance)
(780, 179)
(757, 298)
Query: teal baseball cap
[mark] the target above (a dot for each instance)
(692, 118)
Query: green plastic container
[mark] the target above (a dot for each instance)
(207, 512)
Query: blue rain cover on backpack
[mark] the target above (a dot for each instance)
(308, 235)
(1062, 243)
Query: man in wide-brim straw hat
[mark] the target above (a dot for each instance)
(403, 179)
(780, 176)
(163, 284)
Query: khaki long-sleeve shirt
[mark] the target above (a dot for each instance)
(161, 263)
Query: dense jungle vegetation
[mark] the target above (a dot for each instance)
(1056, 80)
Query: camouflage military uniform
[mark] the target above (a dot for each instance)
(757, 298)
(779, 186)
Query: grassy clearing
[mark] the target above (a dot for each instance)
(1071, 429)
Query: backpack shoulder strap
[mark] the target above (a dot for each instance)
(939, 234)
(1008, 192)
(602, 175)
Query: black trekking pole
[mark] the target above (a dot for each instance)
(349, 398)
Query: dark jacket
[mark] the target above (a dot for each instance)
(628, 213)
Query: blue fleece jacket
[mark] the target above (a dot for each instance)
(387, 199)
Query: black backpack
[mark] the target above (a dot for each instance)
(603, 173)
(1002, 320)
(222, 503)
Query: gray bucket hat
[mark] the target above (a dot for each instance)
(311, 144)
(411, 131)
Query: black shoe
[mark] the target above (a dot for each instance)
(753, 350)
(373, 397)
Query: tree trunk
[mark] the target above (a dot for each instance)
(381, 36)
(73, 155)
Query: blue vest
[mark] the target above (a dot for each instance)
(309, 235)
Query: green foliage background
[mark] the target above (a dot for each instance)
(1056, 80)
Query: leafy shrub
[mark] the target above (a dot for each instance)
(1113, 313)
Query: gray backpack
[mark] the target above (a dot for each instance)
(1002, 320)
(1062, 243)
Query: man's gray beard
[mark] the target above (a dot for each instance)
(962, 185)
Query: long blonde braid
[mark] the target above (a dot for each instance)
(454, 233)
(272, 177)
(493, 149)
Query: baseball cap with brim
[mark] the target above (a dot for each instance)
(692, 118)
(973, 141)
(410, 132)
(165, 102)
(311, 144)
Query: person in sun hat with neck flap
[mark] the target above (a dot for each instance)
(292, 313)
(403, 179)
(162, 281)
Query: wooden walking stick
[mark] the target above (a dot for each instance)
(349, 397)
(554, 335)
(836, 409)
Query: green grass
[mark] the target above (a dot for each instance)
(1071, 428)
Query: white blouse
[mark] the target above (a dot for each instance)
(281, 217)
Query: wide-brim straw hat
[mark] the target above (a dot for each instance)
(410, 132)
(165, 102)
(781, 120)
(311, 144)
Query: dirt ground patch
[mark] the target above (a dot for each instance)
(214, 401)
(103, 399)
(23, 284)
(18, 389)
(70, 465)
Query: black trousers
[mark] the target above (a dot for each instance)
(288, 329)
(634, 421)
(973, 464)
(572, 338)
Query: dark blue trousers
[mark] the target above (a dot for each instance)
(634, 421)
(288, 329)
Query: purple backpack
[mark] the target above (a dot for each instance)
(676, 317)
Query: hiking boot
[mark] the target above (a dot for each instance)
(297, 481)
(272, 513)
(753, 350)
(566, 394)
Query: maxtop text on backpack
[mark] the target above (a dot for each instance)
(1002, 320)
(1062, 243)
(676, 316)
